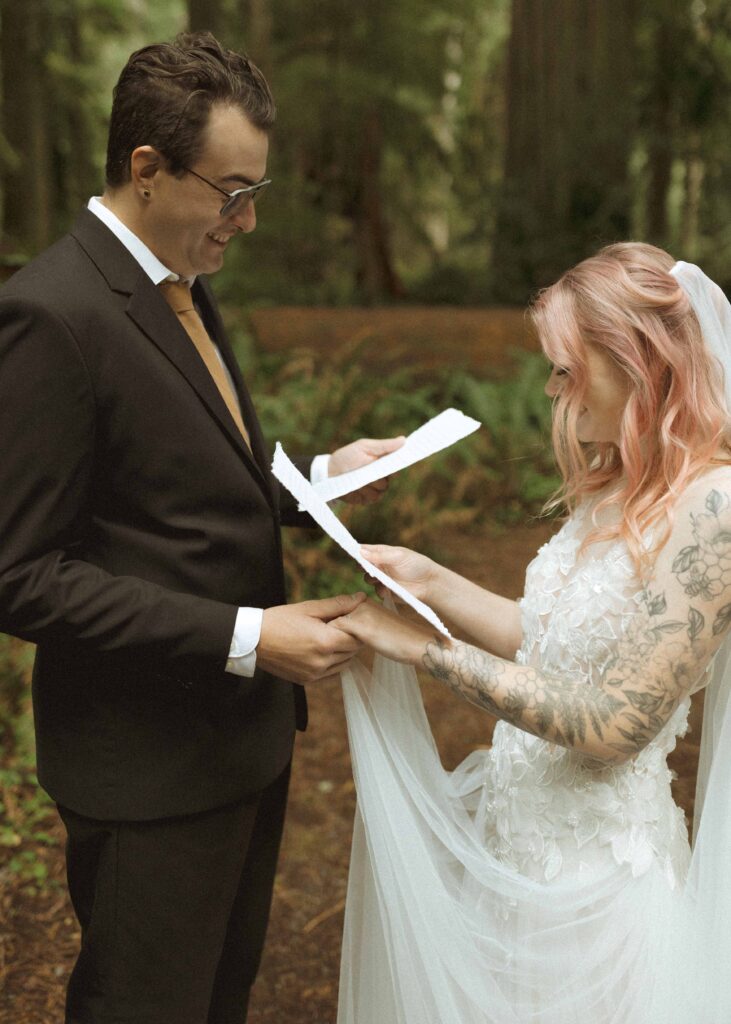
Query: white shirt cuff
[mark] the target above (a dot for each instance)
(319, 469)
(247, 633)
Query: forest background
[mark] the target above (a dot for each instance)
(434, 163)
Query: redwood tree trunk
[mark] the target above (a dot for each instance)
(256, 18)
(208, 15)
(661, 140)
(375, 273)
(568, 136)
(27, 181)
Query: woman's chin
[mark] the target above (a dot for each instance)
(583, 430)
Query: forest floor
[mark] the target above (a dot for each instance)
(298, 982)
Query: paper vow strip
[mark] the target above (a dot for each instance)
(310, 501)
(435, 435)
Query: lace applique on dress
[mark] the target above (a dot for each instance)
(550, 811)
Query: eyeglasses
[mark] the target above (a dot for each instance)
(236, 200)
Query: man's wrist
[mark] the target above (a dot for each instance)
(245, 640)
(319, 469)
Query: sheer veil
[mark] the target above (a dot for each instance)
(708, 888)
(439, 931)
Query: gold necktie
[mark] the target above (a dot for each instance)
(178, 296)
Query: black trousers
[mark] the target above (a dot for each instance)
(173, 913)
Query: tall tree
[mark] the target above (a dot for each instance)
(76, 128)
(210, 15)
(256, 20)
(27, 178)
(566, 188)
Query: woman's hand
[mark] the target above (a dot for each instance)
(386, 632)
(415, 572)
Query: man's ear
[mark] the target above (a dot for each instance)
(145, 164)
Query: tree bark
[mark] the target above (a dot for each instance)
(27, 202)
(72, 131)
(256, 17)
(568, 135)
(661, 133)
(375, 275)
(208, 15)
(692, 195)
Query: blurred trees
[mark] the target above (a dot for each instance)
(431, 150)
(569, 131)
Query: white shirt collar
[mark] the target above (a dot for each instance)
(155, 270)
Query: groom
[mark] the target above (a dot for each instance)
(141, 552)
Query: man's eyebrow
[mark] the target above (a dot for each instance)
(239, 179)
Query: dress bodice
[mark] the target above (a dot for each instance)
(550, 810)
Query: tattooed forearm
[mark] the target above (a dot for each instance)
(656, 662)
(566, 712)
(612, 721)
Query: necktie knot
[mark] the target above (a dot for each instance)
(178, 296)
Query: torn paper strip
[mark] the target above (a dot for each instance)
(438, 433)
(309, 501)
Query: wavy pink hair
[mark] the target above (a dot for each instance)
(625, 303)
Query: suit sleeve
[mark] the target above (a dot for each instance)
(47, 592)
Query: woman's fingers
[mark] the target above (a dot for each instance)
(379, 587)
(377, 553)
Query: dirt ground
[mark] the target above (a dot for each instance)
(299, 977)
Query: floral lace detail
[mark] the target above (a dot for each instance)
(550, 811)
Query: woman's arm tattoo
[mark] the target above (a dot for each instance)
(551, 707)
(655, 664)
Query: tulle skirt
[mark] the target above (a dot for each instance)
(438, 931)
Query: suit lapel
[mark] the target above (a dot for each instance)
(154, 317)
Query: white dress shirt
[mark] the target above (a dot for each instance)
(247, 630)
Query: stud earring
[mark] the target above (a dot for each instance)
(146, 193)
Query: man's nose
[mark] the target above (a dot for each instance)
(245, 219)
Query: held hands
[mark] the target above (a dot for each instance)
(300, 642)
(387, 633)
(362, 453)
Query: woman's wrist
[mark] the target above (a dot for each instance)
(435, 584)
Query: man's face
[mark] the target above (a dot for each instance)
(184, 226)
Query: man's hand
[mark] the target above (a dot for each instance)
(361, 453)
(297, 643)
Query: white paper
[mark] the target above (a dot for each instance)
(438, 433)
(310, 501)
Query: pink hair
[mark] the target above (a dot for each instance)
(625, 303)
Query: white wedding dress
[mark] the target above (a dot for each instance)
(534, 885)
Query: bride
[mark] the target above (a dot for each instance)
(550, 879)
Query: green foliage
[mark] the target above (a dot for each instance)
(502, 473)
(24, 807)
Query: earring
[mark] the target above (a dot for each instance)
(146, 193)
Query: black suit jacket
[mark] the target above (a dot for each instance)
(133, 523)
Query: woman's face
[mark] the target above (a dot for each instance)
(603, 403)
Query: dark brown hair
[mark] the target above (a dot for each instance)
(164, 97)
